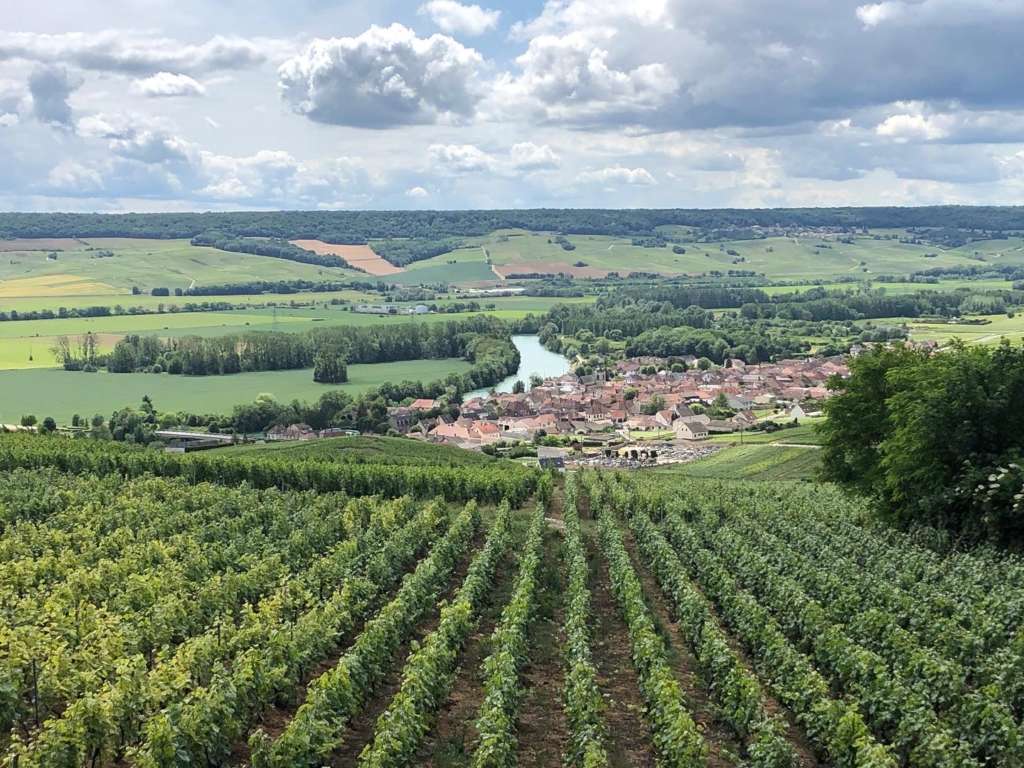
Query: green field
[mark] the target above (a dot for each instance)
(803, 258)
(144, 263)
(58, 393)
(77, 274)
(752, 462)
(998, 327)
(804, 434)
(26, 343)
(469, 267)
(897, 289)
(364, 449)
(153, 303)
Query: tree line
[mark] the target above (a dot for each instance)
(328, 350)
(403, 252)
(935, 439)
(363, 226)
(276, 248)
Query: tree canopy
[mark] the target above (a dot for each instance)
(938, 438)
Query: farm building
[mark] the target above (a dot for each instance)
(552, 458)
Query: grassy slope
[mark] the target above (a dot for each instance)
(175, 263)
(897, 289)
(365, 449)
(148, 264)
(57, 393)
(752, 462)
(1000, 326)
(804, 434)
(787, 258)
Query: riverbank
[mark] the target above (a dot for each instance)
(534, 360)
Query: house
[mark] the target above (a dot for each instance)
(797, 412)
(473, 408)
(664, 418)
(423, 404)
(401, 418)
(738, 403)
(744, 419)
(291, 432)
(690, 429)
(552, 458)
(643, 424)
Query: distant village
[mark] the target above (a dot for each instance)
(639, 414)
(623, 411)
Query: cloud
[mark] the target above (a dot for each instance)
(618, 175)
(164, 84)
(51, 87)
(385, 77)
(455, 18)
(527, 156)
(953, 13)
(417, 193)
(12, 98)
(560, 16)
(874, 14)
(921, 122)
(144, 159)
(906, 127)
(135, 54)
(459, 158)
(684, 64)
(572, 79)
(71, 175)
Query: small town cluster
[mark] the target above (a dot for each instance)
(640, 403)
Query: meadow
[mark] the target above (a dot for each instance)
(992, 332)
(896, 288)
(145, 264)
(153, 303)
(803, 434)
(61, 394)
(757, 461)
(779, 258)
(26, 343)
(78, 272)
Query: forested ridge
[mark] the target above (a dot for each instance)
(362, 226)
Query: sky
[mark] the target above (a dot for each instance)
(174, 105)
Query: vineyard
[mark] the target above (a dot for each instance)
(158, 612)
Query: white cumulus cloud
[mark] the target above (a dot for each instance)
(873, 14)
(164, 84)
(385, 77)
(618, 175)
(572, 78)
(906, 127)
(456, 18)
(459, 158)
(528, 156)
(135, 54)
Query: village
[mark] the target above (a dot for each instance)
(643, 412)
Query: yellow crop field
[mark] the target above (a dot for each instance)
(54, 285)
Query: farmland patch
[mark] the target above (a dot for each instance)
(358, 256)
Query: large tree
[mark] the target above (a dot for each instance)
(937, 438)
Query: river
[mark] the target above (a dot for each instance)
(533, 360)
